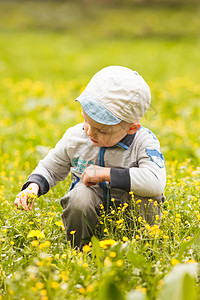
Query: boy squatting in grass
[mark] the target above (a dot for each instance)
(109, 155)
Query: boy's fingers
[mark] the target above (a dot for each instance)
(23, 200)
(31, 205)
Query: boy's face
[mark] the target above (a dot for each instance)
(106, 135)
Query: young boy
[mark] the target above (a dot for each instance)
(109, 155)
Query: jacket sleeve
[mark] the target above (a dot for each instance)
(148, 178)
(53, 168)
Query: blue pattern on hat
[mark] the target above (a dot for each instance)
(96, 111)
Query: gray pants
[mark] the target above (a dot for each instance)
(81, 206)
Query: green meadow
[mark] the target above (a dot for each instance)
(48, 53)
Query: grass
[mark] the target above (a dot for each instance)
(41, 72)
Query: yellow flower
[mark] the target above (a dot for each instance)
(138, 201)
(36, 233)
(178, 216)
(174, 261)
(43, 292)
(178, 220)
(147, 245)
(124, 239)
(120, 221)
(143, 290)
(44, 245)
(90, 288)
(39, 285)
(157, 217)
(12, 243)
(119, 263)
(86, 248)
(155, 203)
(191, 261)
(72, 232)
(11, 292)
(137, 237)
(34, 243)
(113, 254)
(63, 276)
(82, 290)
(105, 230)
(104, 244)
(54, 285)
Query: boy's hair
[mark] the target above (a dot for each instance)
(114, 94)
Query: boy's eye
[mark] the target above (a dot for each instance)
(102, 132)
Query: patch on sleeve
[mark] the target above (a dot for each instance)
(152, 134)
(156, 157)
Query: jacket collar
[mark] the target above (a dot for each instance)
(126, 141)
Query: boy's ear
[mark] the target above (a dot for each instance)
(133, 128)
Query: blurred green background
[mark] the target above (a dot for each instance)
(49, 50)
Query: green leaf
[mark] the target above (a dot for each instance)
(136, 260)
(183, 247)
(179, 284)
(110, 291)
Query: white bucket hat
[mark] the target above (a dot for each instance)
(114, 94)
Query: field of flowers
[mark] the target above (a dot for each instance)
(41, 73)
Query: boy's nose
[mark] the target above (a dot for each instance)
(90, 131)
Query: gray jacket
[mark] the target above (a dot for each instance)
(136, 163)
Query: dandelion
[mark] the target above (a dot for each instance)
(119, 263)
(39, 285)
(11, 292)
(34, 243)
(60, 224)
(72, 232)
(106, 243)
(174, 261)
(54, 285)
(113, 254)
(63, 276)
(36, 233)
(139, 288)
(12, 243)
(45, 244)
(105, 230)
(82, 290)
(138, 201)
(137, 237)
(90, 288)
(155, 203)
(124, 239)
(43, 292)
(120, 221)
(86, 248)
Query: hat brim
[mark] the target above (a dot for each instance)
(96, 111)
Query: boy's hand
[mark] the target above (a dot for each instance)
(21, 200)
(95, 174)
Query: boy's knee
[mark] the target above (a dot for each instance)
(81, 198)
